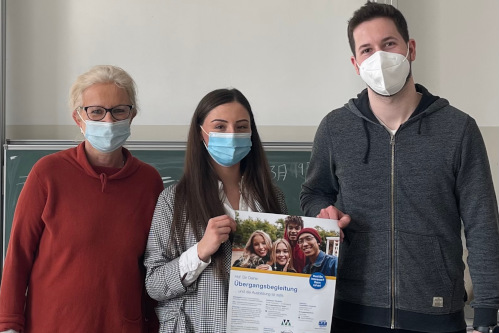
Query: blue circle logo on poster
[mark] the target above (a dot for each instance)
(317, 280)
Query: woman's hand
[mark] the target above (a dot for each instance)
(264, 267)
(217, 232)
(285, 269)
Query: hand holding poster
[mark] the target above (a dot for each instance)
(283, 273)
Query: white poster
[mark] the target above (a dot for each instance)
(283, 274)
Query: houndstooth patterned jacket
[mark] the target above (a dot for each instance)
(200, 307)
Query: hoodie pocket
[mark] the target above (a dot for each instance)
(363, 269)
(423, 283)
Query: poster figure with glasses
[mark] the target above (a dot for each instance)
(283, 273)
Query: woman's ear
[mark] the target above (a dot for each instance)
(79, 122)
(76, 118)
(134, 113)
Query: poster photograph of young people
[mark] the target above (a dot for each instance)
(283, 273)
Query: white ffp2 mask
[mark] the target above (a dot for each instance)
(385, 72)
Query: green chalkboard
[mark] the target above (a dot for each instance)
(288, 165)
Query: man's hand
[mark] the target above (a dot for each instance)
(334, 213)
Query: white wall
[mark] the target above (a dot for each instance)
(289, 57)
(457, 43)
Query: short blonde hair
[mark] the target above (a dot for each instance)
(102, 74)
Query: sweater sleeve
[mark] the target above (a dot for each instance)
(320, 188)
(27, 229)
(163, 280)
(479, 213)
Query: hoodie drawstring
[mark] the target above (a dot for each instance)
(420, 122)
(366, 155)
(103, 180)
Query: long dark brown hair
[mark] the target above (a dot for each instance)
(197, 193)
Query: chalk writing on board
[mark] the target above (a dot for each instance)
(167, 180)
(292, 169)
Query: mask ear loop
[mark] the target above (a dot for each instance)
(78, 113)
(202, 129)
(408, 49)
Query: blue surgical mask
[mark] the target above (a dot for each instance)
(228, 149)
(106, 136)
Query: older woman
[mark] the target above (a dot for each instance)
(81, 223)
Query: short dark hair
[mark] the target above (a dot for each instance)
(294, 220)
(372, 10)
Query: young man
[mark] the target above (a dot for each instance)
(309, 241)
(293, 225)
(407, 168)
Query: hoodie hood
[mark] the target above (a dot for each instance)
(360, 106)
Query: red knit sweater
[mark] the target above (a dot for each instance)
(77, 243)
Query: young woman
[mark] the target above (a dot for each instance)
(188, 254)
(256, 252)
(281, 256)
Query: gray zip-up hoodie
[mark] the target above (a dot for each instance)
(400, 264)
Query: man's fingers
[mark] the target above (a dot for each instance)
(344, 221)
